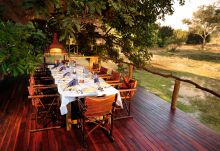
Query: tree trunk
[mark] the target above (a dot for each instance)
(1, 76)
(203, 43)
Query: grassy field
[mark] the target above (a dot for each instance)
(190, 63)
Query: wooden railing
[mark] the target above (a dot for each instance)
(176, 85)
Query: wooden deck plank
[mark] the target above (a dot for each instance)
(154, 127)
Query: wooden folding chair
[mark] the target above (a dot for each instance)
(102, 72)
(95, 68)
(113, 78)
(127, 90)
(92, 109)
(46, 109)
(43, 83)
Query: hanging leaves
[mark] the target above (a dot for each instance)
(19, 48)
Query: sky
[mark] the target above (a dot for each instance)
(185, 11)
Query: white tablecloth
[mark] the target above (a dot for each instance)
(87, 88)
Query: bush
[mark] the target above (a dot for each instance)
(196, 39)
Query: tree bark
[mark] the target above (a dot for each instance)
(203, 42)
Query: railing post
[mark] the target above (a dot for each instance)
(92, 60)
(175, 94)
(130, 71)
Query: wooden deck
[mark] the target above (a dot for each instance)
(153, 127)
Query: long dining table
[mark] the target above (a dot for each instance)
(75, 82)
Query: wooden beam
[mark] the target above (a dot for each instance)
(175, 95)
(130, 71)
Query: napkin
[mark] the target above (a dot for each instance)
(96, 79)
(73, 83)
(62, 68)
(57, 65)
(66, 74)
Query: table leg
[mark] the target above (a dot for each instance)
(68, 118)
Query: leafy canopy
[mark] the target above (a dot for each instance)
(20, 47)
(126, 26)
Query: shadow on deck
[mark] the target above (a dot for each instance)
(153, 127)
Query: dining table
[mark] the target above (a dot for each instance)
(75, 82)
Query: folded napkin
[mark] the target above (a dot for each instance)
(62, 68)
(73, 83)
(96, 79)
(57, 65)
(66, 74)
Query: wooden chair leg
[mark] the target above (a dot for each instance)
(111, 129)
(84, 137)
(44, 127)
(127, 109)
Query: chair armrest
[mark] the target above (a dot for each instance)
(95, 70)
(40, 86)
(43, 96)
(107, 76)
(46, 78)
(115, 83)
(126, 90)
(102, 75)
(112, 81)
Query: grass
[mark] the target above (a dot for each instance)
(201, 56)
(209, 111)
(154, 83)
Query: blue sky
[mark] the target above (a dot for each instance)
(186, 11)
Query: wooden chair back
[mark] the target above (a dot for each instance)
(98, 106)
(95, 66)
(103, 70)
(115, 76)
(36, 102)
(127, 90)
(133, 85)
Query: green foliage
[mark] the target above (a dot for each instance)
(20, 48)
(40, 7)
(176, 40)
(180, 36)
(164, 34)
(205, 21)
(125, 26)
(2, 8)
(196, 39)
(140, 56)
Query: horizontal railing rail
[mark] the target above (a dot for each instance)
(176, 85)
(94, 59)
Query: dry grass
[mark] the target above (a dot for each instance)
(202, 68)
(190, 59)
